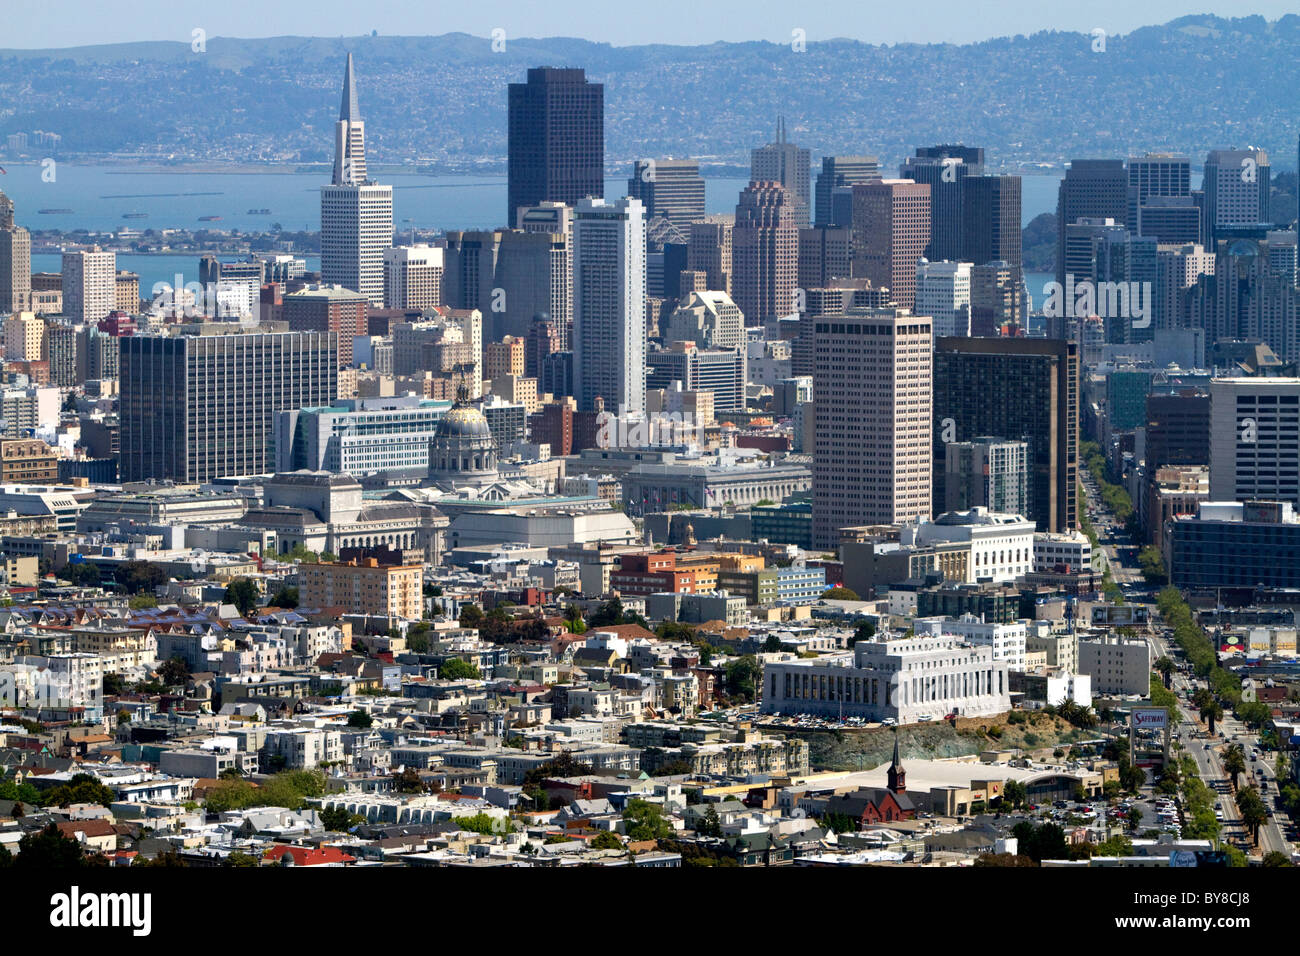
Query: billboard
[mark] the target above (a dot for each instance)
(1149, 718)
(1120, 615)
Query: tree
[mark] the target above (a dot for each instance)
(645, 821)
(454, 668)
(141, 601)
(606, 840)
(1274, 858)
(1166, 668)
(49, 849)
(174, 671)
(483, 823)
(743, 677)
(360, 719)
(471, 616)
(710, 825)
(340, 819)
(408, 781)
(1134, 817)
(865, 631)
(1152, 564)
(840, 594)
(573, 619)
(240, 859)
(81, 575)
(242, 593)
(1014, 794)
(838, 822)
(82, 788)
(1234, 762)
(136, 576)
(1211, 712)
(285, 597)
(609, 614)
(772, 645)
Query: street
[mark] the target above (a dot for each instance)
(1119, 552)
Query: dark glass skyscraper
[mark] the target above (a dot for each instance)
(1020, 389)
(198, 407)
(556, 139)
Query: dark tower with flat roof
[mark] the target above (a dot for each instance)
(556, 139)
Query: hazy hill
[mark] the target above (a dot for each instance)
(1188, 86)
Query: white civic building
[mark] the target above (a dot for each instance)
(904, 679)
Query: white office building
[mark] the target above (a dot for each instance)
(89, 284)
(1072, 549)
(1007, 640)
(943, 293)
(1255, 439)
(609, 321)
(1001, 545)
(413, 277)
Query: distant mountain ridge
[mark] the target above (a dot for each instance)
(1190, 85)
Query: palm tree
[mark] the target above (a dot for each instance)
(1252, 810)
(1234, 762)
(1166, 668)
(1210, 712)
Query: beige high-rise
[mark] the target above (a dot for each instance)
(872, 457)
(891, 228)
(15, 261)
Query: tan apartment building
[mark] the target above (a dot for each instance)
(364, 587)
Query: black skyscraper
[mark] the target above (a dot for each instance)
(556, 139)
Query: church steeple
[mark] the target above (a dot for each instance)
(897, 775)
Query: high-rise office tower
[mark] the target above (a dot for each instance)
(356, 215)
(871, 463)
(765, 252)
(1020, 389)
(470, 267)
(1236, 187)
(891, 229)
(556, 133)
(1248, 299)
(534, 277)
(413, 277)
(825, 253)
(671, 189)
(988, 473)
(1093, 189)
(1254, 437)
(89, 284)
(720, 371)
(999, 299)
(836, 180)
(990, 219)
(785, 163)
(556, 219)
(15, 261)
(1177, 428)
(943, 293)
(198, 407)
(1178, 269)
(944, 169)
(709, 250)
(609, 319)
(1156, 175)
(1169, 219)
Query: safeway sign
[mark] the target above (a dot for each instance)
(1150, 718)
